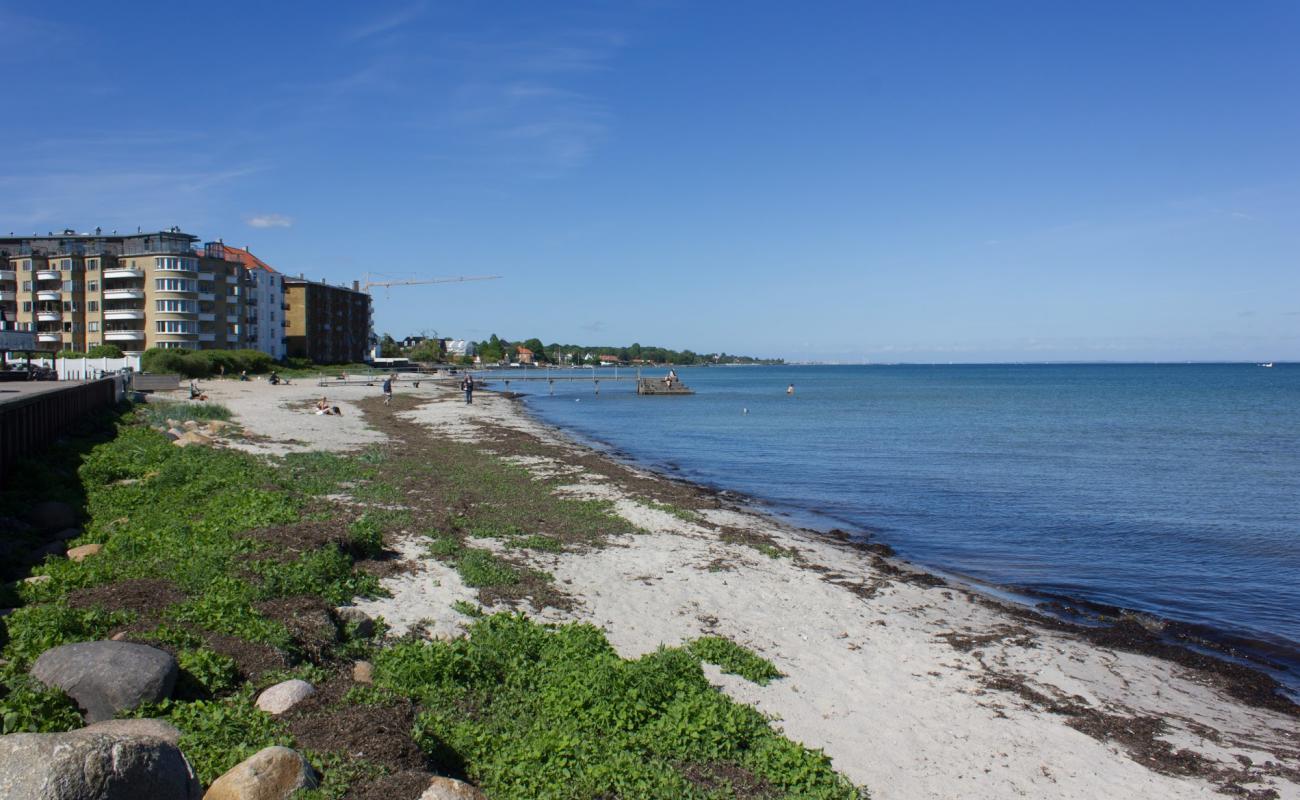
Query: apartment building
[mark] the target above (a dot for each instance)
(136, 291)
(265, 302)
(328, 324)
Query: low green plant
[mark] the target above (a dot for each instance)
(468, 609)
(205, 673)
(28, 707)
(734, 659)
(537, 541)
(480, 568)
(535, 711)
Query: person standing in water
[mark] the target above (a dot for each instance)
(789, 390)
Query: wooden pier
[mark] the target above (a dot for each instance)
(658, 386)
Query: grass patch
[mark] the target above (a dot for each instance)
(734, 659)
(218, 734)
(480, 568)
(468, 609)
(538, 711)
(684, 514)
(158, 412)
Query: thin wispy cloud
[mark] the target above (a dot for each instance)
(269, 221)
(384, 24)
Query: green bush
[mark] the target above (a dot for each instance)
(69, 354)
(105, 351)
(218, 734)
(203, 363)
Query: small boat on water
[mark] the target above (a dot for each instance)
(1269, 364)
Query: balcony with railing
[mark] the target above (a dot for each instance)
(8, 275)
(123, 313)
(123, 272)
(123, 335)
(49, 336)
(132, 293)
(49, 315)
(49, 275)
(6, 295)
(49, 295)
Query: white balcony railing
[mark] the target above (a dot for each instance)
(232, 318)
(49, 337)
(123, 273)
(207, 276)
(124, 294)
(8, 296)
(8, 275)
(207, 317)
(207, 337)
(123, 336)
(124, 314)
(48, 295)
(208, 296)
(49, 316)
(48, 275)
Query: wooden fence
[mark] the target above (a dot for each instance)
(28, 424)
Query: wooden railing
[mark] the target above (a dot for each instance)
(28, 424)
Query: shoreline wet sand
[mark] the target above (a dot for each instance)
(913, 687)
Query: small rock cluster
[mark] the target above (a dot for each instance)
(125, 759)
(189, 432)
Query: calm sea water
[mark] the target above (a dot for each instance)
(1168, 489)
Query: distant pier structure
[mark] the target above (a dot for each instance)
(661, 386)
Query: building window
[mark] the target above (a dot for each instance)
(72, 286)
(92, 286)
(27, 286)
(94, 305)
(27, 266)
(177, 306)
(175, 326)
(94, 326)
(27, 305)
(174, 285)
(65, 264)
(174, 264)
(92, 264)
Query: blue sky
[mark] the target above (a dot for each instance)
(857, 181)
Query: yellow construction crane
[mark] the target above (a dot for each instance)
(458, 279)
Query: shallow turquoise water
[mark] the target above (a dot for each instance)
(1167, 489)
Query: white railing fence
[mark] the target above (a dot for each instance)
(77, 369)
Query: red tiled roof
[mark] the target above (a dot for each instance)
(246, 258)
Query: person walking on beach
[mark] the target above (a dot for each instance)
(468, 386)
(388, 391)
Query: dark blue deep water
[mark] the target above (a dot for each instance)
(1167, 489)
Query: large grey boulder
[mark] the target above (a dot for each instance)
(273, 773)
(151, 728)
(84, 765)
(52, 515)
(107, 677)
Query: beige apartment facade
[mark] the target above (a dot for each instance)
(77, 291)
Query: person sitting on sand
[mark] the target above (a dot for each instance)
(322, 406)
(195, 394)
(275, 378)
(243, 375)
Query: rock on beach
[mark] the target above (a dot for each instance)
(93, 765)
(283, 696)
(441, 788)
(107, 677)
(274, 773)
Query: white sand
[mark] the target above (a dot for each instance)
(868, 679)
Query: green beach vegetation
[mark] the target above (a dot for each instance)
(234, 564)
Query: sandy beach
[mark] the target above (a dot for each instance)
(916, 688)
